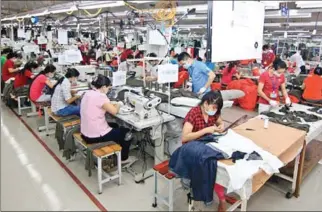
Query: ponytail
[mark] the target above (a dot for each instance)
(71, 72)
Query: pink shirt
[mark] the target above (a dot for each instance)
(37, 86)
(93, 121)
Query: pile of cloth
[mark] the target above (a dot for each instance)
(196, 163)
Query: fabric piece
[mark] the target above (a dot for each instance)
(271, 84)
(264, 108)
(197, 120)
(21, 79)
(197, 162)
(317, 110)
(237, 156)
(254, 156)
(44, 98)
(61, 94)
(5, 70)
(93, 121)
(287, 120)
(243, 170)
(300, 114)
(198, 72)
(37, 86)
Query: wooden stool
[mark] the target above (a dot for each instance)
(162, 170)
(100, 154)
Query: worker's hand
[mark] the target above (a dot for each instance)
(202, 90)
(73, 92)
(77, 96)
(220, 128)
(273, 103)
(288, 101)
(210, 130)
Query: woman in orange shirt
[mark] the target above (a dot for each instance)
(312, 87)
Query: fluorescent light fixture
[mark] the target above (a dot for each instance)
(40, 14)
(309, 4)
(292, 31)
(285, 34)
(73, 8)
(98, 4)
(294, 24)
(314, 32)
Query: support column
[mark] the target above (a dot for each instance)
(209, 30)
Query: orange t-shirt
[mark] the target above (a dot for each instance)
(313, 88)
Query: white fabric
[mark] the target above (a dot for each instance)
(244, 170)
(273, 103)
(44, 98)
(185, 101)
(263, 108)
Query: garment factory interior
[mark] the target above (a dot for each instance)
(161, 105)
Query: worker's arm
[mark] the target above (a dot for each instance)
(112, 109)
(284, 91)
(49, 84)
(220, 124)
(73, 99)
(238, 75)
(188, 135)
(13, 70)
(261, 93)
(211, 77)
(303, 86)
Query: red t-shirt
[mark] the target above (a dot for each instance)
(5, 70)
(197, 120)
(126, 53)
(271, 83)
(22, 79)
(227, 77)
(37, 86)
(313, 87)
(267, 58)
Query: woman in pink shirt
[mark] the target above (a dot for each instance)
(229, 72)
(94, 127)
(37, 87)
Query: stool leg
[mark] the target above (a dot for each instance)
(155, 198)
(119, 166)
(19, 106)
(171, 191)
(99, 174)
(46, 120)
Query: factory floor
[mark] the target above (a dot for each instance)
(34, 176)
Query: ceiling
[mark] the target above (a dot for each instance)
(302, 19)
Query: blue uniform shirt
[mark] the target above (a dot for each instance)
(198, 72)
(210, 65)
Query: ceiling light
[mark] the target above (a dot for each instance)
(98, 5)
(308, 4)
(292, 31)
(314, 32)
(285, 34)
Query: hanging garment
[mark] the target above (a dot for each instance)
(317, 110)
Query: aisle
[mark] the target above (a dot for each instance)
(30, 178)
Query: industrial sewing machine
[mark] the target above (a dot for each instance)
(144, 107)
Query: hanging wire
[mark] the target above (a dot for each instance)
(95, 14)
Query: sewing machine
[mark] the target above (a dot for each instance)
(144, 107)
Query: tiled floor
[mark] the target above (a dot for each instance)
(32, 180)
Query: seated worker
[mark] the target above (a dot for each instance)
(23, 79)
(62, 99)
(267, 56)
(37, 91)
(152, 68)
(312, 87)
(9, 70)
(268, 88)
(202, 120)
(209, 64)
(4, 54)
(229, 72)
(126, 65)
(94, 126)
(201, 75)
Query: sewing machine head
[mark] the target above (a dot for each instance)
(144, 107)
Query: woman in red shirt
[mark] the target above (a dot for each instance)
(202, 120)
(9, 70)
(36, 91)
(229, 72)
(268, 87)
(22, 79)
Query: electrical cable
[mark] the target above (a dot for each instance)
(95, 14)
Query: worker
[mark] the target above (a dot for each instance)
(126, 65)
(94, 127)
(173, 56)
(299, 63)
(202, 120)
(125, 53)
(268, 87)
(37, 91)
(267, 56)
(201, 75)
(312, 87)
(152, 68)
(4, 54)
(229, 72)
(209, 64)
(9, 70)
(23, 79)
(63, 98)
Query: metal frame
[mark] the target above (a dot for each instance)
(19, 104)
